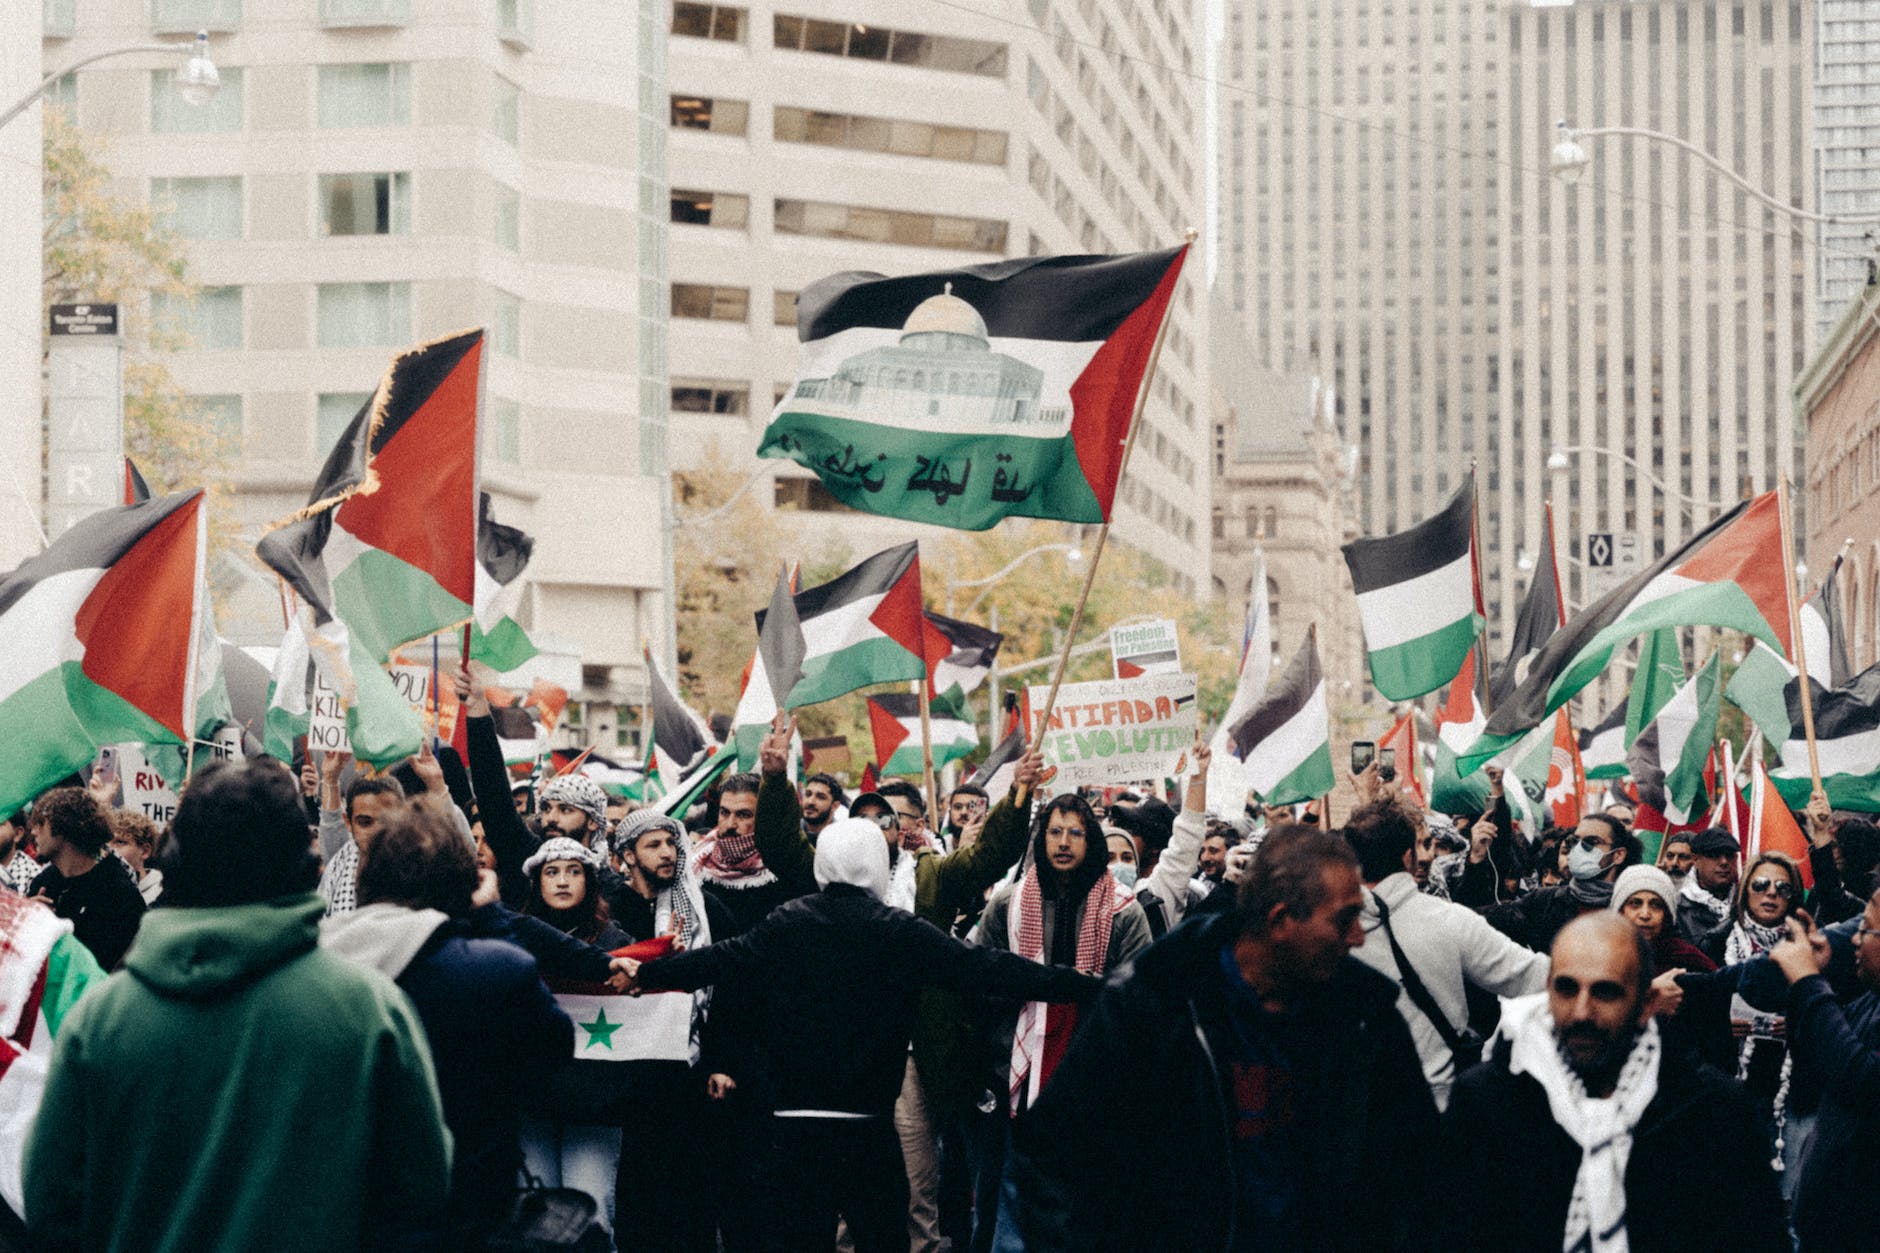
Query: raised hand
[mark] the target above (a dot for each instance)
(773, 755)
(470, 692)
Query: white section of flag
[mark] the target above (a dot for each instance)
(1291, 744)
(1416, 607)
(654, 1027)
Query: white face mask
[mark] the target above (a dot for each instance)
(1587, 863)
(1125, 873)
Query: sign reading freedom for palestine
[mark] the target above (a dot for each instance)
(1145, 648)
(1115, 730)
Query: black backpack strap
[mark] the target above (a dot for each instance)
(1413, 983)
(1153, 910)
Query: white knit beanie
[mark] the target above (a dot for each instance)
(1646, 879)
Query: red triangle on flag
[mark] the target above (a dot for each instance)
(1749, 552)
(889, 731)
(899, 616)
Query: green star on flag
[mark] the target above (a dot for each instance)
(600, 1031)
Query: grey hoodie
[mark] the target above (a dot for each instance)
(382, 936)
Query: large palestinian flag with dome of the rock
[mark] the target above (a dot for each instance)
(965, 396)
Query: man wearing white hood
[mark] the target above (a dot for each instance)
(837, 974)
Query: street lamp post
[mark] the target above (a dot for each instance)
(196, 82)
(1558, 462)
(1072, 553)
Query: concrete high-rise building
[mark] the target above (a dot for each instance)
(1847, 149)
(816, 136)
(21, 317)
(1358, 175)
(375, 173)
(1654, 317)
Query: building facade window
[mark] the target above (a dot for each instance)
(889, 226)
(892, 135)
(365, 94)
(199, 208)
(365, 204)
(170, 114)
(507, 228)
(59, 19)
(506, 324)
(711, 396)
(364, 12)
(331, 414)
(210, 322)
(723, 22)
(898, 47)
(704, 113)
(711, 208)
(715, 304)
(63, 94)
(358, 315)
(222, 414)
(783, 308)
(507, 122)
(505, 430)
(515, 20)
(190, 16)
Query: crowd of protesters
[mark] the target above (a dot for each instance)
(1029, 1021)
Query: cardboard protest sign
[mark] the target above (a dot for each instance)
(413, 681)
(326, 724)
(145, 791)
(1145, 648)
(1114, 730)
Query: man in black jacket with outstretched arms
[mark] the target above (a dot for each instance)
(839, 973)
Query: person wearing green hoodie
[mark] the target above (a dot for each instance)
(297, 1108)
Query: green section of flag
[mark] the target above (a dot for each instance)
(1309, 780)
(1659, 675)
(1684, 778)
(878, 660)
(1408, 670)
(1858, 792)
(1759, 689)
(1451, 793)
(965, 481)
(56, 723)
(504, 648)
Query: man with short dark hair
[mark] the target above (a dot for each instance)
(967, 805)
(821, 796)
(1245, 1081)
(1212, 861)
(1675, 857)
(1582, 1128)
(347, 822)
(1600, 847)
(80, 882)
(1705, 896)
(294, 1106)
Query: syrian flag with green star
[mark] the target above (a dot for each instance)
(612, 1026)
(1285, 740)
(385, 553)
(1419, 599)
(965, 396)
(894, 718)
(100, 641)
(1732, 574)
(863, 627)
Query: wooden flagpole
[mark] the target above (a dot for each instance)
(928, 783)
(1103, 531)
(1795, 638)
(1481, 610)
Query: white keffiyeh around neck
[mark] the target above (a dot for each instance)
(901, 881)
(1748, 939)
(1602, 1128)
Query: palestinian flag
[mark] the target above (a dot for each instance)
(1847, 741)
(1458, 725)
(679, 740)
(1759, 688)
(385, 553)
(1227, 775)
(136, 490)
(1543, 611)
(1285, 740)
(1655, 680)
(290, 695)
(496, 638)
(870, 779)
(1772, 826)
(1731, 575)
(101, 634)
(1667, 760)
(1418, 599)
(965, 396)
(611, 1026)
(970, 651)
(894, 717)
(1001, 764)
(689, 790)
(1402, 737)
(861, 628)
(1602, 747)
(1824, 634)
(44, 971)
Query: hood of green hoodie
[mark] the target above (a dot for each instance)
(202, 954)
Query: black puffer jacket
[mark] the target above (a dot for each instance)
(1140, 1096)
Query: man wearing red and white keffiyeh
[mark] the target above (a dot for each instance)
(1065, 910)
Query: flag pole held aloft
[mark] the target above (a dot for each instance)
(1795, 637)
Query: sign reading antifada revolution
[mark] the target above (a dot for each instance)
(1114, 730)
(1145, 648)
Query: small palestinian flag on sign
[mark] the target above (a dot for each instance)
(965, 396)
(894, 717)
(1285, 740)
(1732, 574)
(860, 628)
(102, 634)
(1419, 600)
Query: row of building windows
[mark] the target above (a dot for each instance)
(514, 18)
(348, 315)
(732, 211)
(352, 204)
(719, 303)
(223, 413)
(1100, 165)
(862, 41)
(896, 136)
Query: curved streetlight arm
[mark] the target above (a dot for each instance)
(26, 102)
(1007, 568)
(1743, 184)
(1644, 473)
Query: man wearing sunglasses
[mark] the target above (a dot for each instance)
(1598, 850)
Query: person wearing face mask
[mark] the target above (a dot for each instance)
(1600, 848)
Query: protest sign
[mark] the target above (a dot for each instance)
(145, 791)
(1145, 648)
(326, 722)
(413, 681)
(1115, 730)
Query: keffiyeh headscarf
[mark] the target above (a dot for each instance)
(582, 793)
(732, 860)
(1043, 1031)
(1602, 1128)
(678, 910)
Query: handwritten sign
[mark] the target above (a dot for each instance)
(1145, 648)
(326, 722)
(145, 791)
(413, 681)
(1114, 730)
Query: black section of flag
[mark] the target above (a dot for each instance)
(1828, 604)
(1611, 722)
(873, 577)
(780, 642)
(1428, 546)
(1283, 700)
(1068, 299)
(503, 551)
(97, 543)
(1009, 750)
(1538, 620)
(675, 730)
(1843, 713)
